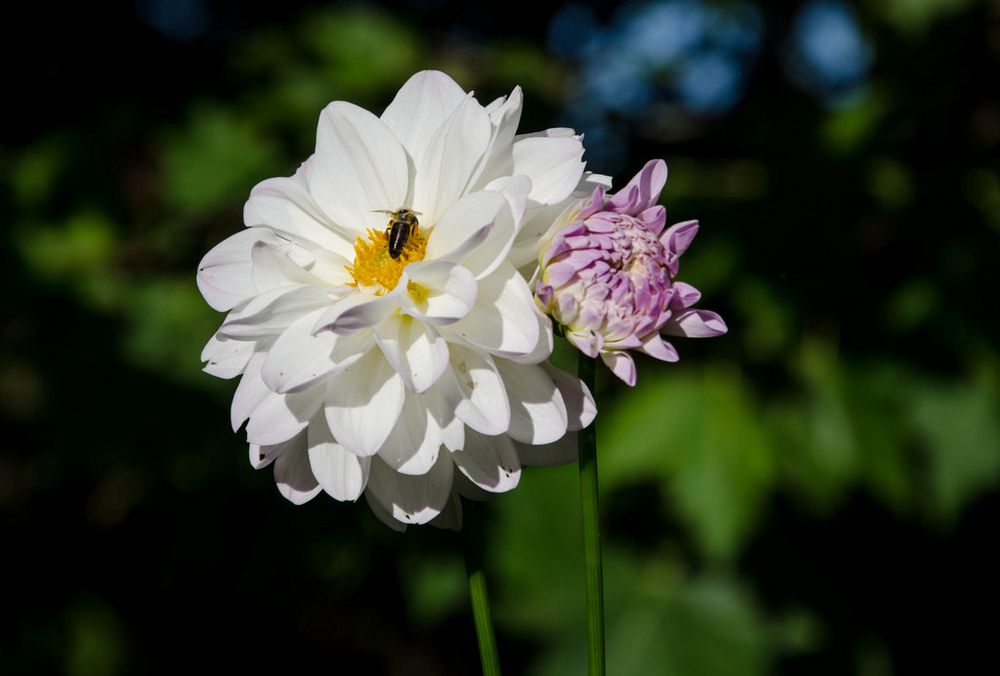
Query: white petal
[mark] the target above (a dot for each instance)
(342, 474)
(621, 364)
(420, 107)
(553, 163)
(451, 157)
(464, 226)
(413, 445)
(356, 311)
(489, 462)
(330, 267)
(249, 393)
(489, 255)
(450, 427)
(272, 269)
(543, 348)
(286, 205)
(224, 277)
(277, 315)
(504, 320)
(450, 517)
(541, 221)
(359, 166)
(581, 409)
(262, 456)
(383, 514)
(498, 159)
(417, 352)
(363, 402)
(226, 358)
(538, 228)
(300, 358)
(412, 499)
(437, 292)
(280, 417)
(537, 411)
(293, 475)
(474, 390)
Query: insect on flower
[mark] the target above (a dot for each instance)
(402, 223)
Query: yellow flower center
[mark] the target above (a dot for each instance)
(375, 269)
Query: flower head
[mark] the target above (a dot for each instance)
(607, 276)
(378, 370)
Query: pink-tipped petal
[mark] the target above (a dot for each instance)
(696, 324)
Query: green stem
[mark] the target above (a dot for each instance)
(472, 546)
(591, 532)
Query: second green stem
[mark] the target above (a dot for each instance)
(591, 532)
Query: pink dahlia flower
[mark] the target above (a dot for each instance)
(607, 276)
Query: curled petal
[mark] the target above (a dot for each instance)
(465, 226)
(678, 237)
(355, 312)
(437, 292)
(621, 364)
(643, 191)
(696, 324)
(287, 305)
(685, 295)
(656, 347)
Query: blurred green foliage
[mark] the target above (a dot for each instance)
(813, 402)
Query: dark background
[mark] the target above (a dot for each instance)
(813, 493)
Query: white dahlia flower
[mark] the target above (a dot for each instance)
(375, 369)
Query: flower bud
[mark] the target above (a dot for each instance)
(607, 276)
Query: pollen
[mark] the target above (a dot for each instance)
(375, 269)
(418, 292)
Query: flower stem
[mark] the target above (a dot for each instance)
(591, 531)
(472, 546)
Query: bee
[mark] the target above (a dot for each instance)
(402, 223)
